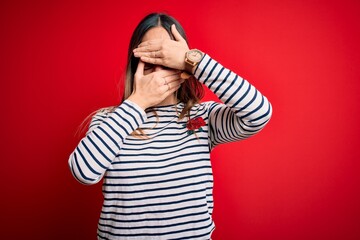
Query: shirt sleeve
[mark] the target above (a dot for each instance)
(244, 111)
(104, 139)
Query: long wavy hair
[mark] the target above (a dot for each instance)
(190, 92)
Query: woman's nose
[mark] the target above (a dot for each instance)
(158, 68)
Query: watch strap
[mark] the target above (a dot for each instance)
(189, 66)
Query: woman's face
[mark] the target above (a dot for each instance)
(151, 34)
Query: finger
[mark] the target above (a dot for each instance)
(155, 61)
(169, 88)
(185, 75)
(172, 78)
(140, 68)
(148, 46)
(171, 91)
(157, 54)
(154, 54)
(174, 85)
(168, 73)
(176, 34)
(150, 42)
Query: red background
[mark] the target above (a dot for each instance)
(297, 179)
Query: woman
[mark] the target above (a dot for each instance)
(153, 150)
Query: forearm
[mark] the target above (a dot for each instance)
(96, 151)
(244, 112)
(244, 99)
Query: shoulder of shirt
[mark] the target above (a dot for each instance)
(103, 112)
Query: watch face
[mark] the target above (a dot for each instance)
(195, 55)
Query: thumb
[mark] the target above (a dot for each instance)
(176, 34)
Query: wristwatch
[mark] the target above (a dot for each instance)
(192, 59)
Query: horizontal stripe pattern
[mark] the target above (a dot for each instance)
(245, 112)
(161, 187)
(98, 149)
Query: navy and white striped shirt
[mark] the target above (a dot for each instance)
(161, 187)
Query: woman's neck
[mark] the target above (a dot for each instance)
(168, 101)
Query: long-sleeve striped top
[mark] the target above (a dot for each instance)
(161, 187)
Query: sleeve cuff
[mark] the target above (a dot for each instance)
(131, 107)
(199, 71)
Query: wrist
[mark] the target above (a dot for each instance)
(138, 101)
(192, 60)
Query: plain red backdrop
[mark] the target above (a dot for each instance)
(297, 179)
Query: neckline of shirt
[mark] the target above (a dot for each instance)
(167, 107)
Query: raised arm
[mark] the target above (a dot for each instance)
(244, 112)
(96, 151)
